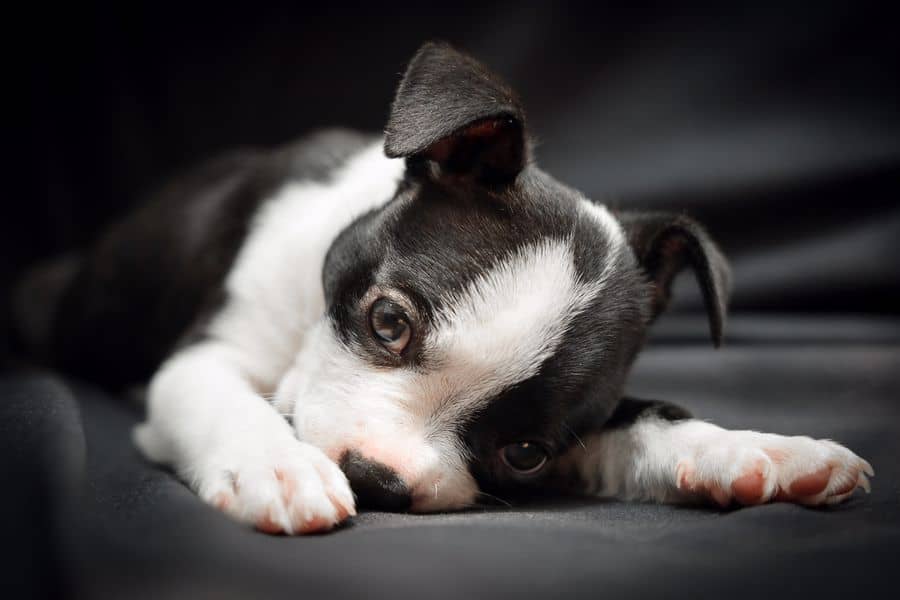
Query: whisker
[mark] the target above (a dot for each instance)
(497, 498)
(572, 431)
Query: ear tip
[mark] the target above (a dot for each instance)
(437, 51)
(435, 44)
(717, 328)
(391, 149)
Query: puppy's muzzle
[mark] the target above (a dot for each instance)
(375, 484)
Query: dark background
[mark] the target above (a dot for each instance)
(776, 124)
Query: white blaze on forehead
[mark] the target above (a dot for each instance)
(501, 328)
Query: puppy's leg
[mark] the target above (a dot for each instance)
(655, 451)
(234, 449)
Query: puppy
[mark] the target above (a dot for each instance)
(408, 322)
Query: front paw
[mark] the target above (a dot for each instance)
(753, 468)
(287, 487)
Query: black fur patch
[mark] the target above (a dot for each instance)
(157, 273)
(630, 410)
(374, 484)
(451, 110)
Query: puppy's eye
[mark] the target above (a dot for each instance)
(390, 325)
(525, 458)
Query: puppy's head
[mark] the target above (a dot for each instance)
(485, 319)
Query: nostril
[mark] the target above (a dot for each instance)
(376, 485)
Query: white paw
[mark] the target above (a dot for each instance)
(287, 487)
(753, 468)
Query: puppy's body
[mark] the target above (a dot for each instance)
(438, 318)
(153, 280)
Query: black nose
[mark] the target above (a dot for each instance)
(375, 485)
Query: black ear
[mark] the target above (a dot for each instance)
(664, 244)
(453, 115)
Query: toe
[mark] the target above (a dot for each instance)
(268, 524)
(720, 496)
(317, 525)
(344, 508)
(750, 488)
(684, 477)
(222, 500)
(864, 484)
(811, 484)
(844, 488)
(867, 468)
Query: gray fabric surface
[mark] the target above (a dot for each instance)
(104, 524)
(775, 124)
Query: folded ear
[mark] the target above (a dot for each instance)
(454, 116)
(664, 244)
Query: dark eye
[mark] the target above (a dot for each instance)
(390, 325)
(524, 458)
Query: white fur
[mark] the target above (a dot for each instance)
(206, 417)
(690, 460)
(496, 333)
(234, 450)
(275, 287)
(340, 402)
(502, 328)
(610, 227)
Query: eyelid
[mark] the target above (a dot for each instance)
(376, 292)
(550, 447)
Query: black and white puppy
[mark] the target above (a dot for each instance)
(411, 322)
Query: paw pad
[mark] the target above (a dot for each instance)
(750, 488)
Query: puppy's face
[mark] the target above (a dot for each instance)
(482, 322)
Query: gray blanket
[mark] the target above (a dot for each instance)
(87, 517)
